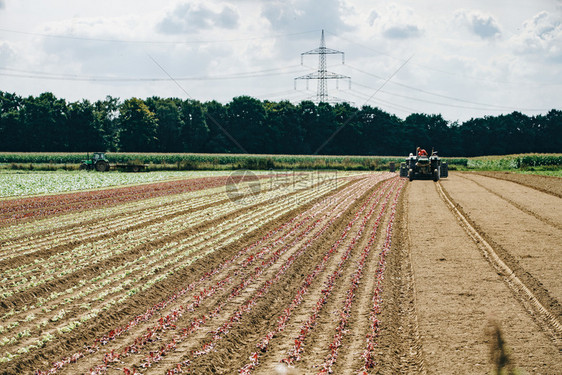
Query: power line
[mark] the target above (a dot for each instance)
(487, 106)
(163, 42)
(483, 107)
(209, 116)
(356, 112)
(70, 77)
(286, 93)
(386, 103)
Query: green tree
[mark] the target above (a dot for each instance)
(44, 123)
(347, 130)
(84, 132)
(195, 132)
(326, 126)
(246, 123)
(11, 134)
(318, 123)
(170, 123)
(219, 141)
(474, 135)
(107, 116)
(138, 127)
(549, 132)
(380, 133)
(287, 134)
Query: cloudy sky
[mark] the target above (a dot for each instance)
(461, 59)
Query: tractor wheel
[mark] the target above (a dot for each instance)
(102, 166)
(403, 170)
(83, 167)
(410, 174)
(436, 175)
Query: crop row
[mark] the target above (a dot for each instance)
(197, 323)
(284, 318)
(248, 305)
(105, 220)
(175, 253)
(170, 255)
(210, 161)
(276, 181)
(377, 301)
(508, 162)
(83, 225)
(205, 292)
(81, 255)
(345, 311)
(13, 210)
(295, 352)
(35, 183)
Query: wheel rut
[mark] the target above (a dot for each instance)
(537, 301)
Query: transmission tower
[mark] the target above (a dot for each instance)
(323, 75)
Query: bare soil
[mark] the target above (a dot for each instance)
(548, 184)
(441, 291)
(458, 293)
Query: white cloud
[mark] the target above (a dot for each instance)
(396, 22)
(541, 37)
(192, 18)
(302, 15)
(2, 4)
(402, 31)
(481, 24)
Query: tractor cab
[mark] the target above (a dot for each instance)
(98, 155)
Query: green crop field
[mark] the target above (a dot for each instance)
(203, 162)
(160, 161)
(24, 183)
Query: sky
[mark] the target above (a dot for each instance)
(461, 59)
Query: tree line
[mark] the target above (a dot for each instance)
(247, 125)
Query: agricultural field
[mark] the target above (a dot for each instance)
(18, 183)
(288, 273)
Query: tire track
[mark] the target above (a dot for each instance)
(546, 184)
(545, 220)
(526, 294)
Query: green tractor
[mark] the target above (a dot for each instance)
(98, 162)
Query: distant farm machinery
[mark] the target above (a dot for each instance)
(100, 163)
(423, 167)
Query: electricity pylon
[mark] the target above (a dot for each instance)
(322, 75)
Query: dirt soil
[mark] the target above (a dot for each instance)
(548, 184)
(415, 268)
(458, 292)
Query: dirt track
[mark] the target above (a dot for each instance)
(458, 291)
(219, 287)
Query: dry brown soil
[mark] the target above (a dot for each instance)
(441, 288)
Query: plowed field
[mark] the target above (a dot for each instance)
(359, 274)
